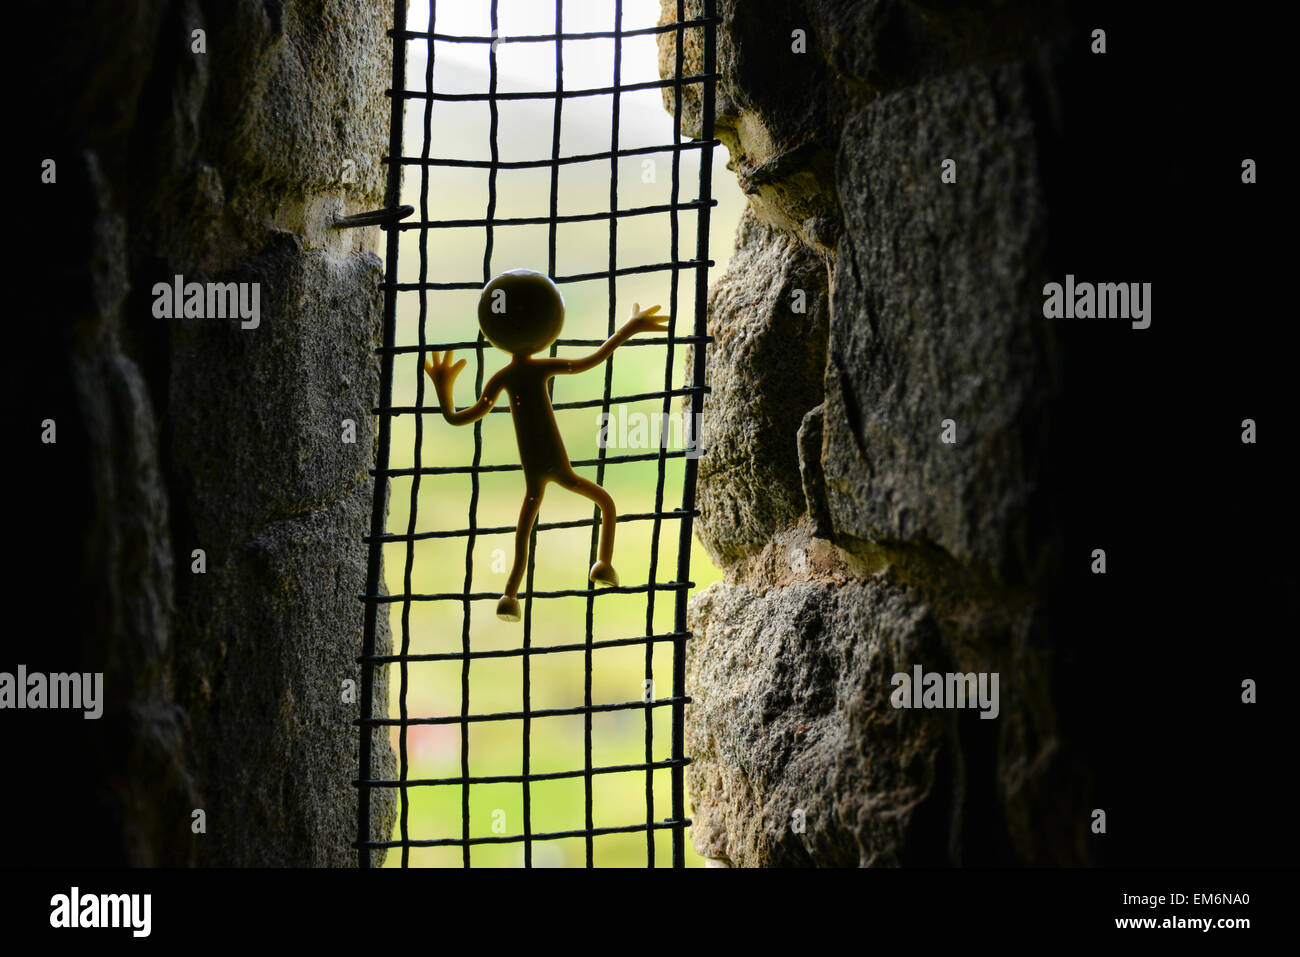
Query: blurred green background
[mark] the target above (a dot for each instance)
(461, 130)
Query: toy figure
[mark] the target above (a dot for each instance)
(521, 312)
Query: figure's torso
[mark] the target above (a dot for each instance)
(541, 450)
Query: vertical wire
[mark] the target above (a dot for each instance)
(551, 265)
(609, 367)
(698, 372)
(478, 452)
(668, 385)
(403, 754)
(605, 406)
(527, 685)
(552, 227)
(379, 501)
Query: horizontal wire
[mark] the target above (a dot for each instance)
(484, 344)
(520, 715)
(547, 220)
(519, 838)
(512, 467)
(391, 537)
(557, 406)
(700, 78)
(549, 161)
(521, 778)
(579, 277)
(552, 37)
(530, 650)
(496, 596)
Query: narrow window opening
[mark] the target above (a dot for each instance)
(535, 135)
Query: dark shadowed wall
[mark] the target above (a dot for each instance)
(224, 691)
(870, 307)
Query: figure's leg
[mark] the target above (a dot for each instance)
(508, 606)
(602, 573)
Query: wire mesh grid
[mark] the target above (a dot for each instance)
(535, 600)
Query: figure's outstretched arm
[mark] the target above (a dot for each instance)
(641, 321)
(443, 374)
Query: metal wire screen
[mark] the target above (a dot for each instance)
(666, 577)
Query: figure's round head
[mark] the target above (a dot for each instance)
(521, 312)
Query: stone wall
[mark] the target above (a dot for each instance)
(855, 543)
(223, 690)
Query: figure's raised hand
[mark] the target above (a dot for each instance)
(646, 320)
(443, 373)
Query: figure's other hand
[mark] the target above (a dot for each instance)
(645, 320)
(443, 373)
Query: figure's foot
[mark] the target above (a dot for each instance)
(508, 608)
(602, 573)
